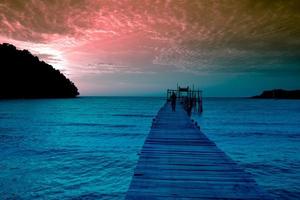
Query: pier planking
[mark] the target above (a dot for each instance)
(178, 161)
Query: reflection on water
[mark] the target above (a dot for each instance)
(261, 135)
(86, 148)
(72, 148)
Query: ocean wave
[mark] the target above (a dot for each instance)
(285, 194)
(96, 195)
(133, 115)
(266, 169)
(121, 126)
(243, 134)
(8, 138)
(78, 124)
(82, 124)
(91, 151)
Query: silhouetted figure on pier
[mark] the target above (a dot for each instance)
(189, 106)
(173, 101)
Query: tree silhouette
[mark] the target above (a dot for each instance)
(23, 75)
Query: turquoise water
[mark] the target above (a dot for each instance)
(73, 148)
(261, 135)
(86, 148)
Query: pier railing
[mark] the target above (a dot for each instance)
(190, 98)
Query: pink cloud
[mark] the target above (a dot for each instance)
(88, 36)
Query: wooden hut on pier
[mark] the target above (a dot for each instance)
(190, 98)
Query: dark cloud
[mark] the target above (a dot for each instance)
(192, 36)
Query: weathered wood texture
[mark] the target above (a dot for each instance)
(178, 161)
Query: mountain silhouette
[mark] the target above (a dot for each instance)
(279, 94)
(23, 75)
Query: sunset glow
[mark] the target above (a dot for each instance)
(122, 47)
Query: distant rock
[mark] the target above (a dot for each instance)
(23, 75)
(279, 94)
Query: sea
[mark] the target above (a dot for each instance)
(87, 148)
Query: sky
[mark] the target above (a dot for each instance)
(142, 47)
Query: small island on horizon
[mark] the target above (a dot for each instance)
(278, 94)
(23, 75)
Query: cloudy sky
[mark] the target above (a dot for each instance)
(142, 47)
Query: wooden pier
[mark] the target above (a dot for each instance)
(188, 97)
(178, 161)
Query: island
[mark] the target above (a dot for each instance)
(279, 94)
(23, 75)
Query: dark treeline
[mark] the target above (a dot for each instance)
(279, 94)
(23, 75)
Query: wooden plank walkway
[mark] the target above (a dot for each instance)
(179, 162)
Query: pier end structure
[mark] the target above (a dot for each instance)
(190, 98)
